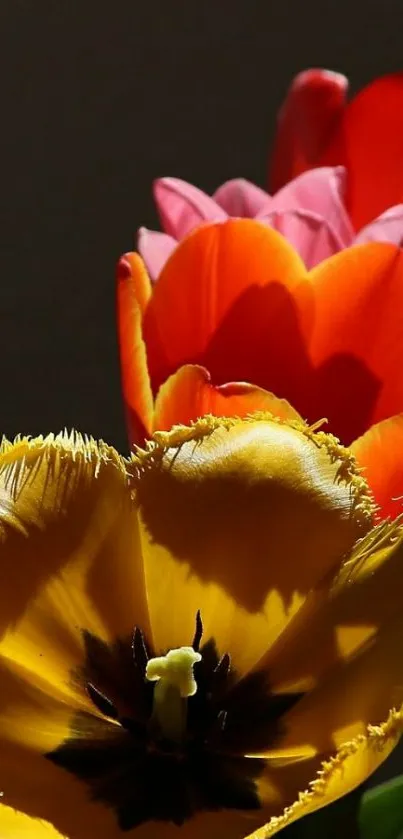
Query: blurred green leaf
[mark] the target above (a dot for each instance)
(380, 814)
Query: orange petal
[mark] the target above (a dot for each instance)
(133, 292)
(189, 394)
(215, 268)
(380, 452)
(355, 345)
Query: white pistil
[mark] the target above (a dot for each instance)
(175, 683)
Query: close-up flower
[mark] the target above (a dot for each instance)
(334, 178)
(309, 212)
(202, 640)
(236, 323)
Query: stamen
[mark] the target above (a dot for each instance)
(175, 683)
(104, 705)
(198, 632)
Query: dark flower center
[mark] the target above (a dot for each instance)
(133, 768)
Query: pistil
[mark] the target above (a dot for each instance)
(175, 683)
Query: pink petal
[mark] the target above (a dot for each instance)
(321, 192)
(386, 228)
(182, 206)
(310, 113)
(311, 235)
(154, 248)
(241, 198)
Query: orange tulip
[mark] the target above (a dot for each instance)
(235, 324)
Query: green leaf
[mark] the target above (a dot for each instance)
(380, 814)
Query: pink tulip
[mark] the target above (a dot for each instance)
(309, 211)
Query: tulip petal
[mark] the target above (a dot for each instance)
(182, 206)
(345, 618)
(313, 106)
(355, 345)
(70, 562)
(32, 723)
(154, 248)
(231, 275)
(238, 520)
(69, 526)
(15, 825)
(242, 198)
(343, 648)
(133, 291)
(386, 228)
(321, 783)
(369, 142)
(189, 394)
(378, 452)
(311, 235)
(320, 191)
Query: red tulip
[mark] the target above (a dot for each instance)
(235, 317)
(317, 127)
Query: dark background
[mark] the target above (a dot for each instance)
(98, 99)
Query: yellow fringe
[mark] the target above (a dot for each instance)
(311, 799)
(348, 470)
(22, 458)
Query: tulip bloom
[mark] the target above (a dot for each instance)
(192, 637)
(335, 175)
(236, 324)
(317, 127)
(308, 211)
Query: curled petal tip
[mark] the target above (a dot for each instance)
(123, 269)
(319, 77)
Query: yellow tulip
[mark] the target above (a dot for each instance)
(203, 640)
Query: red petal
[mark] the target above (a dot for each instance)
(307, 119)
(189, 394)
(215, 299)
(133, 291)
(380, 452)
(369, 142)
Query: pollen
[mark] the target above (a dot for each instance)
(175, 669)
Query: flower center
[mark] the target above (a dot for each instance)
(169, 734)
(175, 682)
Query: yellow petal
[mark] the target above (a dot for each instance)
(69, 554)
(350, 636)
(32, 722)
(353, 761)
(240, 518)
(15, 825)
